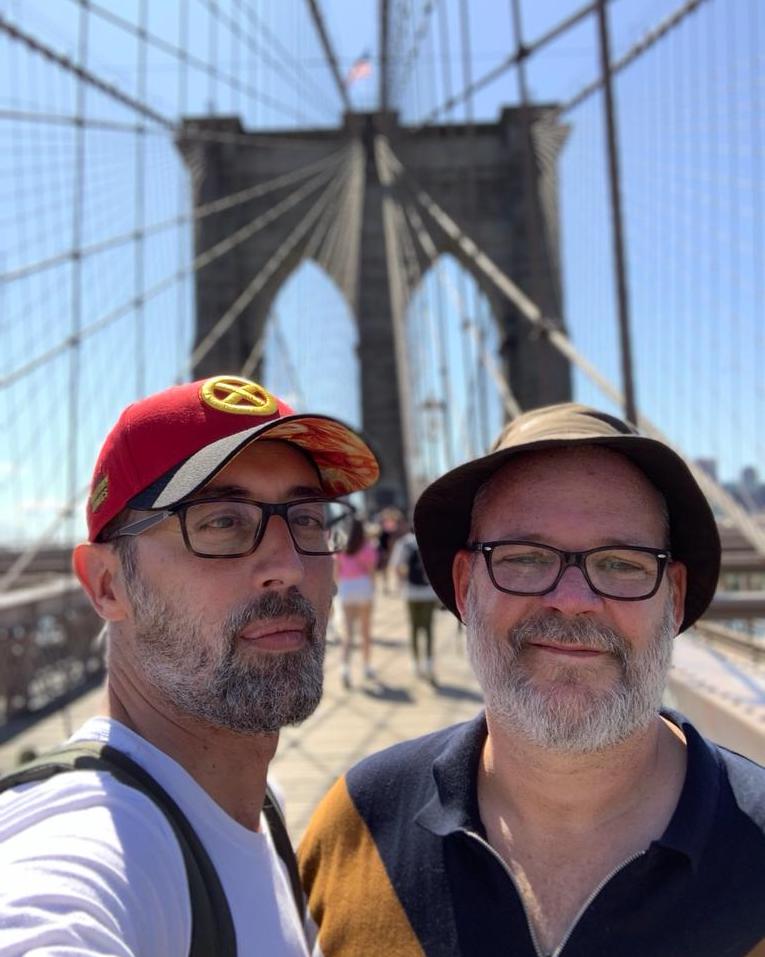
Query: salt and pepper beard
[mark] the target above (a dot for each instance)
(206, 676)
(568, 715)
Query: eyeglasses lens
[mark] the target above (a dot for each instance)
(320, 527)
(230, 528)
(615, 572)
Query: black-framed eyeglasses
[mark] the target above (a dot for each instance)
(234, 527)
(623, 572)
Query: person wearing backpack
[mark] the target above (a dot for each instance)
(421, 602)
(213, 516)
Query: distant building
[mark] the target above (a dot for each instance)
(748, 490)
(709, 466)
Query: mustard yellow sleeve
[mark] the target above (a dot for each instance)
(350, 896)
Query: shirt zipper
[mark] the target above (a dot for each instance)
(497, 857)
(558, 950)
(590, 899)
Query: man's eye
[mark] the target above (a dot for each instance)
(218, 521)
(526, 560)
(616, 565)
(222, 521)
(308, 519)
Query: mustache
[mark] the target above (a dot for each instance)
(572, 633)
(272, 604)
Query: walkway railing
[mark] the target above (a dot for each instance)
(48, 647)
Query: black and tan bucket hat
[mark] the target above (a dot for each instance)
(443, 512)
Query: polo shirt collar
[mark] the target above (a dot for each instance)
(452, 804)
(690, 825)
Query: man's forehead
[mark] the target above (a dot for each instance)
(564, 469)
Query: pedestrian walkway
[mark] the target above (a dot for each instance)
(722, 692)
(348, 724)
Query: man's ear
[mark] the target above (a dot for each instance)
(678, 576)
(97, 566)
(462, 567)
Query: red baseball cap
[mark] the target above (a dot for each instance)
(170, 444)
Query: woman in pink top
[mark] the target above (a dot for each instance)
(354, 573)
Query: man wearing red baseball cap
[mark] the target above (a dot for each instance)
(213, 515)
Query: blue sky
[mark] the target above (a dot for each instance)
(690, 115)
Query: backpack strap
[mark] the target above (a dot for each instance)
(278, 828)
(212, 927)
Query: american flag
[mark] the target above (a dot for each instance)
(360, 68)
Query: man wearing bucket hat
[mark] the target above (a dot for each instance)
(574, 816)
(213, 516)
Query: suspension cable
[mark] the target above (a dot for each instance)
(529, 309)
(396, 284)
(203, 259)
(263, 275)
(414, 51)
(28, 555)
(283, 54)
(236, 30)
(524, 51)
(315, 238)
(190, 59)
(636, 50)
(189, 131)
(509, 401)
(329, 53)
(197, 213)
(85, 75)
(506, 64)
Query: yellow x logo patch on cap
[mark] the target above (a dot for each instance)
(229, 393)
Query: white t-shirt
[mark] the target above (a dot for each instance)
(90, 866)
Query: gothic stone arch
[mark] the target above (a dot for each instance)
(481, 176)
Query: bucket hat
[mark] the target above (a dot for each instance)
(442, 514)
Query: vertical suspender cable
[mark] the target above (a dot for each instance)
(630, 407)
(398, 306)
(736, 376)
(758, 208)
(468, 365)
(384, 27)
(467, 341)
(184, 284)
(539, 267)
(212, 51)
(236, 50)
(481, 384)
(139, 182)
(439, 316)
(78, 198)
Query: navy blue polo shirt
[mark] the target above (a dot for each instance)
(397, 853)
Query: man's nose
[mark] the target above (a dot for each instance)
(277, 563)
(572, 595)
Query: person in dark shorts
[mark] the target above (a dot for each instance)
(421, 603)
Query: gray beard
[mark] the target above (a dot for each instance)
(567, 714)
(205, 675)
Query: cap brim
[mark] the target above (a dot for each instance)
(442, 514)
(344, 460)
